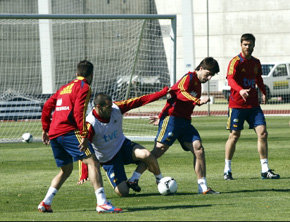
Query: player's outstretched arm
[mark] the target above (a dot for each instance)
(133, 103)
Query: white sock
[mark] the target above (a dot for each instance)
(264, 165)
(202, 185)
(158, 177)
(135, 176)
(49, 195)
(228, 166)
(101, 196)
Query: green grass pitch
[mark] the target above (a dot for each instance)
(27, 169)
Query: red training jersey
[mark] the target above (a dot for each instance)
(69, 104)
(185, 94)
(244, 73)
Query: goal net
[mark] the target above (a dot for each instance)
(132, 56)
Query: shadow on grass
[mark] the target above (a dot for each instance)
(132, 209)
(157, 194)
(258, 190)
(282, 178)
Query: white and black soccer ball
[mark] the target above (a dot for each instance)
(167, 185)
(27, 138)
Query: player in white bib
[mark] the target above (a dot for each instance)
(112, 148)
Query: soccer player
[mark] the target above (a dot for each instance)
(175, 121)
(244, 72)
(67, 134)
(112, 148)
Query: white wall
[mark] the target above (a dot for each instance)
(268, 20)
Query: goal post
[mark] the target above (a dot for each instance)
(133, 55)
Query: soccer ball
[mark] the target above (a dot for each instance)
(167, 185)
(27, 138)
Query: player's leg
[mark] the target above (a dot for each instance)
(66, 150)
(158, 150)
(56, 183)
(191, 141)
(116, 175)
(199, 166)
(258, 122)
(262, 142)
(235, 124)
(94, 173)
(88, 157)
(165, 138)
(230, 149)
(60, 178)
(145, 156)
(63, 160)
(198, 157)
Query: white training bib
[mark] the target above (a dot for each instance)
(109, 137)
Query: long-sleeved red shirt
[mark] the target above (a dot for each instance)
(69, 106)
(244, 74)
(185, 94)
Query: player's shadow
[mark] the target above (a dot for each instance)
(132, 209)
(157, 194)
(257, 178)
(258, 190)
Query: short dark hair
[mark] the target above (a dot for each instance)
(210, 64)
(85, 68)
(248, 37)
(101, 98)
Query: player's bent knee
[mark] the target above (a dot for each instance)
(122, 189)
(199, 151)
(263, 135)
(91, 160)
(234, 136)
(146, 154)
(159, 151)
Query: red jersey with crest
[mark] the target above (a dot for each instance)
(244, 74)
(69, 106)
(185, 94)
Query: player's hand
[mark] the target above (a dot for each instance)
(82, 181)
(245, 93)
(154, 120)
(204, 100)
(84, 144)
(45, 138)
(264, 99)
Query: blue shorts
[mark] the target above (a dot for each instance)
(172, 128)
(115, 168)
(65, 149)
(237, 117)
